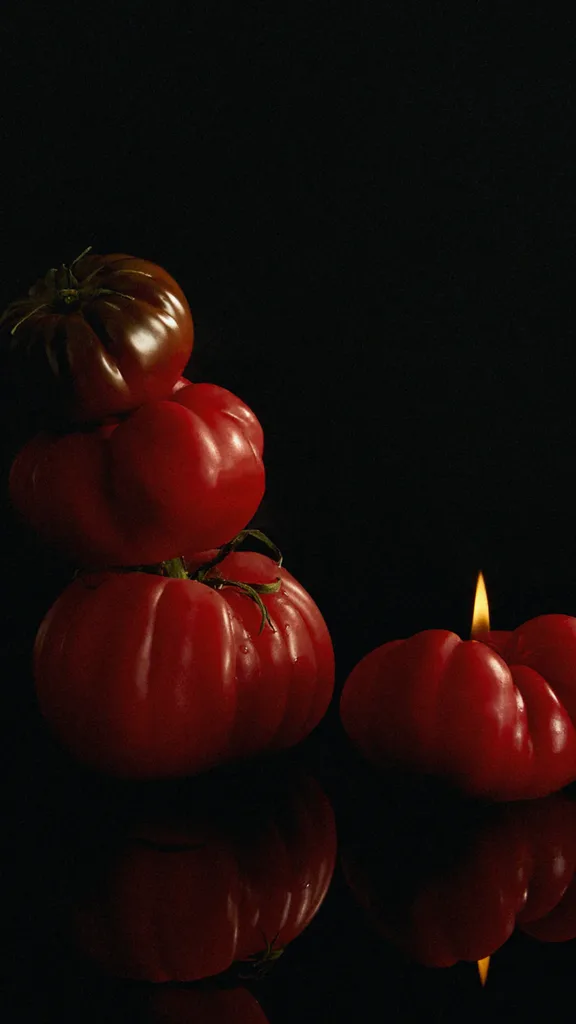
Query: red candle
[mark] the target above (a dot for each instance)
(495, 714)
(515, 869)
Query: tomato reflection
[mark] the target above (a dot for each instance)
(452, 884)
(204, 1006)
(227, 876)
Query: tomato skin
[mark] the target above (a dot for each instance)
(175, 475)
(184, 903)
(103, 354)
(516, 870)
(136, 675)
(144, 676)
(495, 718)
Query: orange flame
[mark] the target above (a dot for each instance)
(481, 612)
(483, 966)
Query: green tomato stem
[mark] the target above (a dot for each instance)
(175, 568)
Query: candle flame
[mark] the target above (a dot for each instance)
(481, 612)
(483, 966)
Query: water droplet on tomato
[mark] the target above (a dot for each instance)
(286, 629)
(244, 649)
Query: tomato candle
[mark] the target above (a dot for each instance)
(514, 869)
(494, 714)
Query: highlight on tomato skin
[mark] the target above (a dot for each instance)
(451, 883)
(496, 717)
(219, 877)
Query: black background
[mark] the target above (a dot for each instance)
(373, 219)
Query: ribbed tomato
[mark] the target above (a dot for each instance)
(147, 676)
(178, 475)
(497, 717)
(98, 338)
(184, 896)
(454, 889)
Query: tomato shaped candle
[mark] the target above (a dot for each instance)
(494, 715)
(455, 888)
(224, 885)
(145, 676)
(184, 474)
(99, 337)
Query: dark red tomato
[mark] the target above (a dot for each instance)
(495, 717)
(516, 869)
(179, 475)
(147, 676)
(204, 1006)
(185, 899)
(100, 337)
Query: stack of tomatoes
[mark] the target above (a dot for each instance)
(171, 651)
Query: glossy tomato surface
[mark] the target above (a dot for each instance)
(495, 717)
(145, 676)
(99, 338)
(175, 475)
(186, 897)
(515, 869)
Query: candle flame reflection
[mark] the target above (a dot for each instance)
(483, 966)
(481, 612)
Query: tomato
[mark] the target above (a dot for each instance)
(100, 337)
(147, 676)
(184, 896)
(495, 718)
(204, 1006)
(513, 868)
(175, 475)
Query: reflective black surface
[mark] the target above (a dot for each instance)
(372, 216)
(107, 884)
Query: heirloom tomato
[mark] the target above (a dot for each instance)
(99, 337)
(455, 889)
(145, 675)
(496, 718)
(182, 474)
(185, 896)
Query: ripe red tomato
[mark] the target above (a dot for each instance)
(178, 475)
(496, 718)
(147, 676)
(100, 337)
(181, 897)
(514, 868)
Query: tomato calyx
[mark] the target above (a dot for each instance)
(253, 590)
(232, 545)
(210, 575)
(59, 291)
(259, 964)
